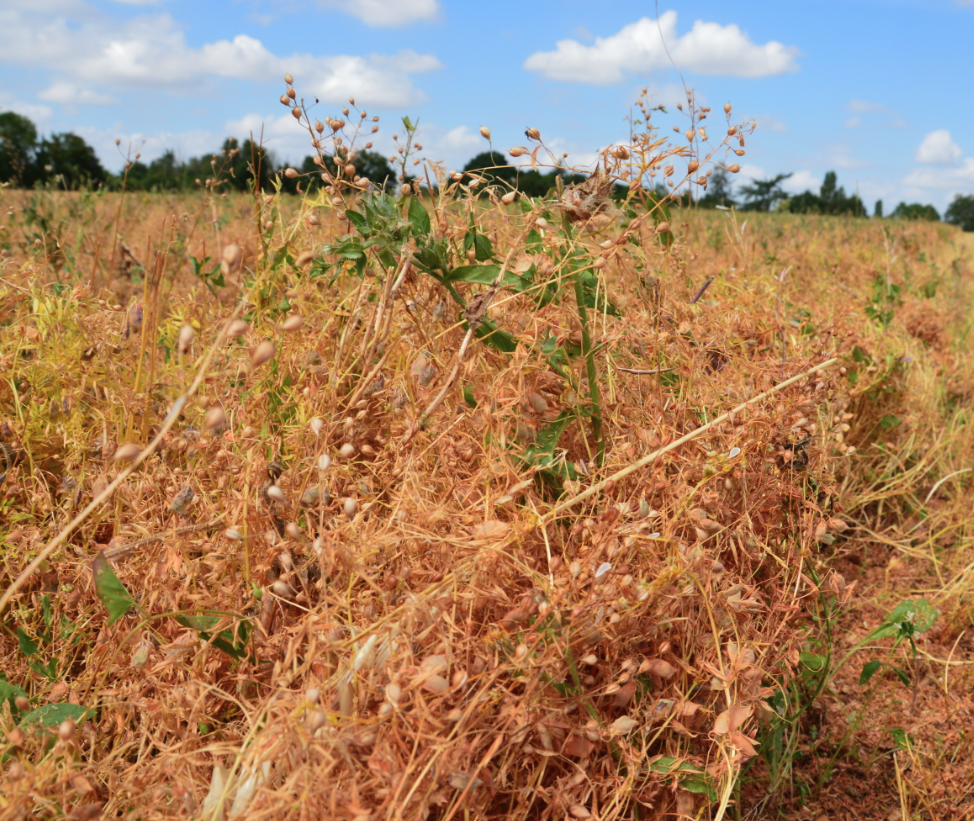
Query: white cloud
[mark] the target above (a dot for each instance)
(802, 180)
(150, 52)
(36, 113)
(388, 12)
(960, 178)
(853, 122)
(708, 48)
(938, 148)
(70, 94)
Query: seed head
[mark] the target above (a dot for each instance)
(293, 323)
(692, 166)
(291, 173)
(727, 108)
(233, 534)
(533, 134)
(509, 197)
(215, 418)
(485, 132)
(275, 493)
(127, 452)
(296, 113)
(350, 507)
(262, 353)
(186, 336)
(288, 79)
(237, 328)
(733, 168)
(182, 500)
(232, 257)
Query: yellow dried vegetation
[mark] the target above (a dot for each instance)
(442, 506)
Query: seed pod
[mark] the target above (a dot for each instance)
(485, 132)
(285, 100)
(296, 113)
(347, 451)
(292, 529)
(727, 108)
(734, 168)
(324, 461)
(293, 323)
(233, 534)
(350, 507)
(66, 730)
(288, 79)
(509, 197)
(215, 418)
(692, 166)
(262, 353)
(275, 493)
(310, 497)
(291, 173)
(533, 134)
(127, 452)
(186, 336)
(237, 328)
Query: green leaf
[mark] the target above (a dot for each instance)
(468, 396)
(110, 590)
(490, 335)
(408, 125)
(419, 217)
(10, 693)
(360, 223)
(485, 275)
(868, 671)
(860, 356)
(888, 422)
(813, 661)
(233, 646)
(51, 715)
(902, 675)
(27, 647)
(918, 615)
(699, 785)
(900, 737)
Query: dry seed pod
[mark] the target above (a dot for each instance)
(215, 418)
(316, 425)
(232, 257)
(350, 507)
(127, 452)
(186, 337)
(262, 353)
(233, 534)
(293, 323)
(347, 451)
(324, 461)
(275, 493)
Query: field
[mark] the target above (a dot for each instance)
(456, 508)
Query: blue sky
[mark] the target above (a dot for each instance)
(873, 89)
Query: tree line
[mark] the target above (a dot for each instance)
(67, 161)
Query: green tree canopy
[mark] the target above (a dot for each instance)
(18, 149)
(70, 161)
(961, 212)
(763, 195)
(915, 211)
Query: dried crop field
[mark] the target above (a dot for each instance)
(454, 507)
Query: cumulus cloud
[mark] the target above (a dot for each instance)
(708, 48)
(150, 52)
(388, 12)
(959, 178)
(938, 148)
(853, 122)
(70, 94)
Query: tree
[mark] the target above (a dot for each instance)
(762, 195)
(961, 212)
(915, 211)
(720, 190)
(371, 165)
(18, 149)
(878, 209)
(68, 159)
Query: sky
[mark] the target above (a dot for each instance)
(875, 90)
